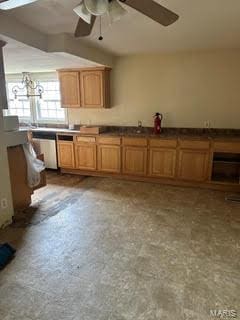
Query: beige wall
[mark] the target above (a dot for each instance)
(5, 188)
(188, 88)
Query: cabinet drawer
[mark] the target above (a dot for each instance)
(85, 139)
(163, 143)
(223, 146)
(109, 140)
(134, 142)
(194, 144)
(64, 137)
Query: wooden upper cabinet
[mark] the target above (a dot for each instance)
(92, 89)
(70, 89)
(87, 88)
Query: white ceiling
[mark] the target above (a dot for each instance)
(203, 24)
(19, 58)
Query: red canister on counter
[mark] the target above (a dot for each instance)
(157, 123)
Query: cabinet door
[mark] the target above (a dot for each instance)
(193, 165)
(70, 89)
(109, 158)
(65, 154)
(135, 160)
(21, 192)
(92, 89)
(86, 156)
(162, 162)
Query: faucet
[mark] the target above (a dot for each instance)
(31, 125)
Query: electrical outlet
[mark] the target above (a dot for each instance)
(207, 124)
(4, 203)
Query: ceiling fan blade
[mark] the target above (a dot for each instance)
(153, 10)
(12, 4)
(83, 28)
(83, 13)
(115, 11)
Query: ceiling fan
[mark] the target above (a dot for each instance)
(12, 4)
(88, 10)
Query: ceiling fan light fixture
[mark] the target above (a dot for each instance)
(83, 12)
(116, 11)
(97, 7)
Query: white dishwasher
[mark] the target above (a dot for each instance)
(45, 143)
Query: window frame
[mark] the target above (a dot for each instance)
(22, 118)
(34, 101)
(37, 102)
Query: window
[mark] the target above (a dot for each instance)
(49, 108)
(20, 107)
(45, 110)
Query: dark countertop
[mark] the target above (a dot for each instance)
(146, 132)
(171, 136)
(153, 136)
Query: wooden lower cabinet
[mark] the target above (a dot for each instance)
(109, 158)
(162, 162)
(66, 154)
(174, 161)
(85, 155)
(193, 165)
(134, 160)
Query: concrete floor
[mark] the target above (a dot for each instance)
(119, 250)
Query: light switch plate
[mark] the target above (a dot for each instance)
(4, 203)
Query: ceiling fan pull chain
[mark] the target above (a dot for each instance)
(100, 27)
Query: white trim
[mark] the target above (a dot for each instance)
(12, 77)
(45, 76)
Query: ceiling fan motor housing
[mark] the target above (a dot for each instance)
(97, 7)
